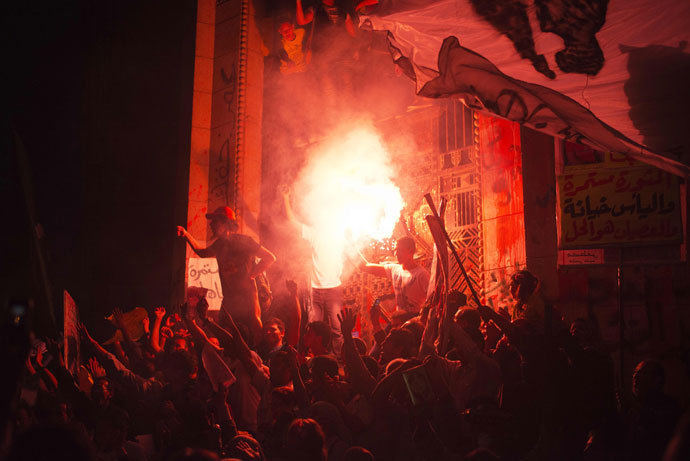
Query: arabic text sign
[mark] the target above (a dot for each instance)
(615, 207)
(203, 272)
(580, 257)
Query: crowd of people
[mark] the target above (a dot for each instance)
(440, 380)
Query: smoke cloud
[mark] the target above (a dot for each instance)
(321, 138)
(347, 191)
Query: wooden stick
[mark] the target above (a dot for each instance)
(475, 296)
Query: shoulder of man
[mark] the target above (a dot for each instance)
(392, 268)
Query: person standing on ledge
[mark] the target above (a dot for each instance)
(326, 270)
(410, 280)
(236, 255)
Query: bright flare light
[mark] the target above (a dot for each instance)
(347, 189)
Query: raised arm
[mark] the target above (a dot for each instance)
(289, 213)
(116, 369)
(133, 349)
(362, 380)
(46, 376)
(378, 270)
(501, 322)
(289, 307)
(199, 334)
(300, 391)
(242, 350)
(302, 17)
(224, 336)
(266, 260)
(159, 312)
(193, 243)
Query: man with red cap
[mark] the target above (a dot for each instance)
(236, 255)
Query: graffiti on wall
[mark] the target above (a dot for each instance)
(222, 161)
(497, 286)
(502, 206)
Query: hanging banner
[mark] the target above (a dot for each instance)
(611, 74)
(203, 272)
(619, 207)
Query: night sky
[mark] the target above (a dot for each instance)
(100, 93)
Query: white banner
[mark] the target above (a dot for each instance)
(615, 72)
(203, 272)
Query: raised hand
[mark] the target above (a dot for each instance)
(39, 357)
(181, 232)
(159, 312)
(84, 333)
(245, 448)
(291, 286)
(166, 332)
(95, 368)
(172, 320)
(347, 321)
(119, 318)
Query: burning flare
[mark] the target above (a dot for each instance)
(347, 190)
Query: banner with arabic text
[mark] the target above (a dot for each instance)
(619, 207)
(203, 272)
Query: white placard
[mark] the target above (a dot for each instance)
(203, 272)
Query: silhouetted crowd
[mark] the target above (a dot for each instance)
(446, 383)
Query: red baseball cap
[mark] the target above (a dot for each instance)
(222, 212)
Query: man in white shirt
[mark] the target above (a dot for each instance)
(410, 280)
(326, 270)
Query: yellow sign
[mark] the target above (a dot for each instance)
(619, 207)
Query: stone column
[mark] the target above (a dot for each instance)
(539, 193)
(225, 158)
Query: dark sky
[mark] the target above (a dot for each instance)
(100, 94)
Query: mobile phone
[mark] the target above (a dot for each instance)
(17, 312)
